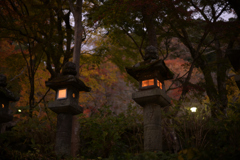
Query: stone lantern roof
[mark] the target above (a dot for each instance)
(151, 64)
(4, 92)
(68, 78)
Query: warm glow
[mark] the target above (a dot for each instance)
(62, 93)
(149, 82)
(19, 110)
(73, 95)
(193, 109)
(2, 105)
(159, 84)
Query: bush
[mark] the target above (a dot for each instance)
(107, 134)
(31, 138)
(202, 137)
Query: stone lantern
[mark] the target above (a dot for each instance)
(151, 74)
(5, 97)
(67, 87)
(234, 58)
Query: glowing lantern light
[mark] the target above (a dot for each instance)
(62, 94)
(152, 83)
(193, 109)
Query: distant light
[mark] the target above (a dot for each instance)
(193, 109)
(19, 110)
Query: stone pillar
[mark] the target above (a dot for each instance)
(152, 127)
(152, 100)
(63, 135)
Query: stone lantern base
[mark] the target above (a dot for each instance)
(152, 101)
(66, 106)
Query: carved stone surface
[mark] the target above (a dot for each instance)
(142, 69)
(65, 106)
(152, 100)
(152, 127)
(156, 96)
(151, 53)
(69, 69)
(67, 80)
(63, 135)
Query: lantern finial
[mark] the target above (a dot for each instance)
(69, 69)
(151, 53)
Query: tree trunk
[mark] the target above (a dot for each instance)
(77, 40)
(221, 77)
(77, 13)
(151, 28)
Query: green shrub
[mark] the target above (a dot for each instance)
(107, 134)
(31, 138)
(202, 137)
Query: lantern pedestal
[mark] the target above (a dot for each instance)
(63, 135)
(66, 106)
(152, 101)
(155, 95)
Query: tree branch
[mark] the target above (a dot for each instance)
(139, 49)
(72, 7)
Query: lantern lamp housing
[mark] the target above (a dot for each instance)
(67, 87)
(150, 75)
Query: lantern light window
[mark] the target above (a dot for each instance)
(2, 105)
(159, 84)
(62, 94)
(149, 82)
